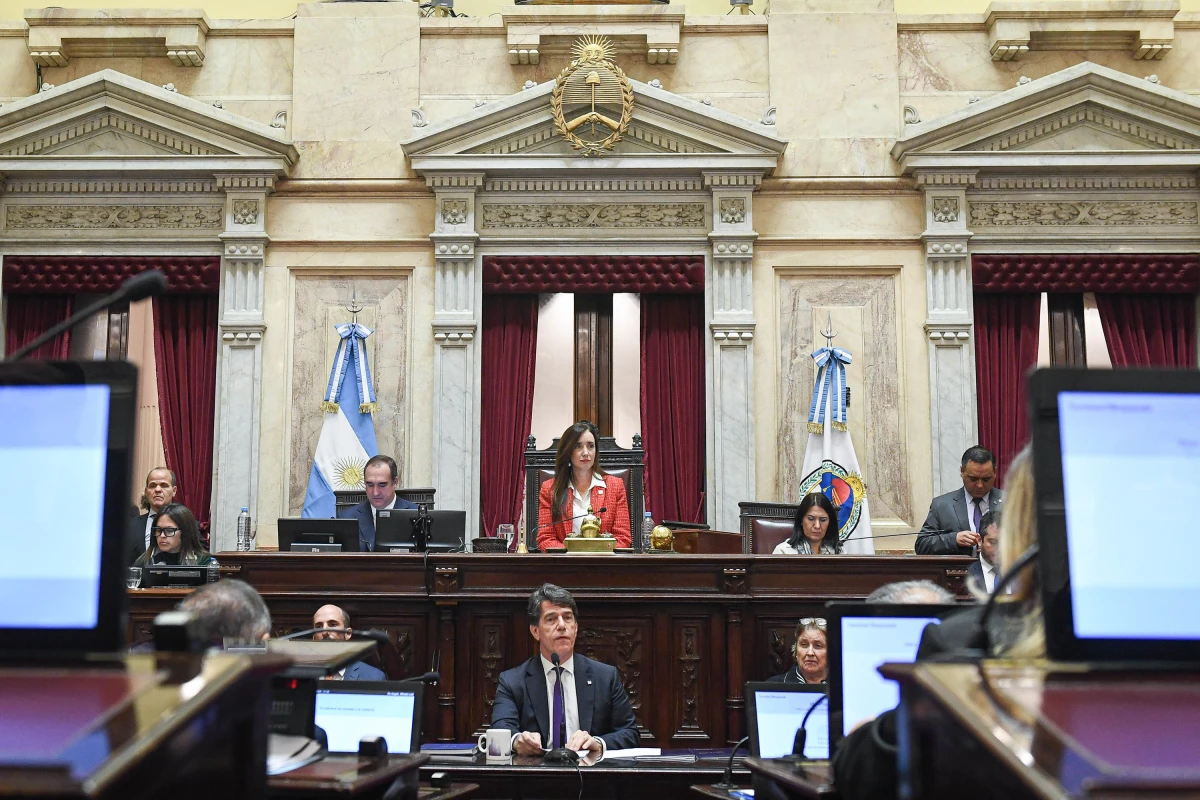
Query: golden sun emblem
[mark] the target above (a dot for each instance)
(592, 101)
(348, 473)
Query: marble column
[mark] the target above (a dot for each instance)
(458, 298)
(729, 305)
(239, 360)
(949, 323)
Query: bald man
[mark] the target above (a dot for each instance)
(334, 625)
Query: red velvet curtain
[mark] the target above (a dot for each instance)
(31, 314)
(1149, 330)
(509, 351)
(1006, 347)
(672, 341)
(185, 356)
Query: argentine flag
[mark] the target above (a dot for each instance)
(348, 433)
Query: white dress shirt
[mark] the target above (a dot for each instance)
(150, 515)
(580, 506)
(989, 575)
(570, 699)
(984, 507)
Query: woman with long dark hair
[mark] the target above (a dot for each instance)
(579, 484)
(815, 529)
(175, 540)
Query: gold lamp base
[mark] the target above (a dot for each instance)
(597, 544)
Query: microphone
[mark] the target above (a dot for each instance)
(930, 532)
(727, 784)
(150, 283)
(552, 523)
(802, 733)
(560, 755)
(428, 677)
(378, 636)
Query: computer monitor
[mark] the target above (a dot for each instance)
(860, 637)
(775, 712)
(1115, 589)
(73, 419)
(318, 535)
(394, 530)
(349, 710)
(161, 576)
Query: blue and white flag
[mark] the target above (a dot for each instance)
(348, 434)
(830, 464)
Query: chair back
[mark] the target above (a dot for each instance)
(628, 464)
(765, 525)
(352, 497)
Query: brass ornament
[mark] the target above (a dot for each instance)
(661, 538)
(591, 85)
(590, 527)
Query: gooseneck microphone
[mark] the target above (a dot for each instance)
(802, 733)
(378, 636)
(727, 784)
(561, 754)
(150, 283)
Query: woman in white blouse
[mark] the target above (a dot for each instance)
(815, 529)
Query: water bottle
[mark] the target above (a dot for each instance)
(243, 531)
(647, 527)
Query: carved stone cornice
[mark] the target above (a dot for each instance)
(105, 186)
(455, 180)
(933, 178)
(452, 333)
(740, 180)
(1061, 214)
(241, 333)
(1144, 28)
(948, 333)
(621, 215)
(1071, 182)
(597, 184)
(651, 31)
(733, 332)
(58, 34)
(249, 181)
(105, 216)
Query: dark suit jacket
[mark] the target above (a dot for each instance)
(948, 512)
(604, 709)
(135, 539)
(366, 521)
(360, 671)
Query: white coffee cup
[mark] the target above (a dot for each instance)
(496, 744)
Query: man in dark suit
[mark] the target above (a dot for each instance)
(982, 572)
(381, 477)
(577, 703)
(334, 624)
(952, 527)
(160, 492)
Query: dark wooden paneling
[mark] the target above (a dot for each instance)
(593, 360)
(1067, 345)
(622, 642)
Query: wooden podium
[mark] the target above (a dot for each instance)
(181, 726)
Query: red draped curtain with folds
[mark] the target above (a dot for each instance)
(1149, 330)
(185, 356)
(1006, 347)
(31, 314)
(672, 401)
(509, 350)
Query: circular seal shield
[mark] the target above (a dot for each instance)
(844, 489)
(592, 100)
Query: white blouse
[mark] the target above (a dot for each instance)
(785, 549)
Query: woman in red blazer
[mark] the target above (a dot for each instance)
(579, 482)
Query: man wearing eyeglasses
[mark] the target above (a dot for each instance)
(160, 492)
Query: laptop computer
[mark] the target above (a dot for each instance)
(861, 636)
(79, 416)
(775, 712)
(1116, 590)
(349, 710)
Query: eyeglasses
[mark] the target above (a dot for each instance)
(813, 622)
(170, 533)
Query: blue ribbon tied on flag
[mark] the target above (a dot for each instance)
(829, 389)
(351, 354)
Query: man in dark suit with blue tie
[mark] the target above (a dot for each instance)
(381, 477)
(333, 625)
(952, 527)
(560, 698)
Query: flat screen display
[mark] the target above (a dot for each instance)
(352, 710)
(53, 455)
(778, 717)
(867, 642)
(1132, 445)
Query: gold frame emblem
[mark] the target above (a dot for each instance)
(592, 81)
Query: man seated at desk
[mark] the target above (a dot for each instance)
(381, 477)
(334, 625)
(952, 527)
(159, 493)
(539, 701)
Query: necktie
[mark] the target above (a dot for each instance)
(978, 513)
(556, 735)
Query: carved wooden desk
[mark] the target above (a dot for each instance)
(685, 631)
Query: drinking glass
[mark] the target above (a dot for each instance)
(133, 579)
(505, 532)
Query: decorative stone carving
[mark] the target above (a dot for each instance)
(768, 117)
(530, 85)
(55, 139)
(911, 115)
(45, 87)
(56, 35)
(1088, 182)
(945, 209)
(170, 87)
(1146, 30)
(656, 83)
(1024, 79)
(1136, 130)
(418, 118)
(594, 215)
(245, 212)
(733, 210)
(86, 217)
(105, 186)
(454, 212)
(280, 120)
(524, 55)
(1059, 214)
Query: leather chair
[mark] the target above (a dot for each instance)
(350, 498)
(765, 525)
(627, 464)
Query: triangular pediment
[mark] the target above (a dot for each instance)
(110, 115)
(517, 131)
(1085, 110)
